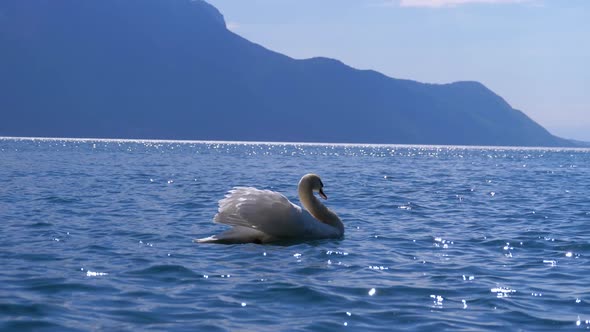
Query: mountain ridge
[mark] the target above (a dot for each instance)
(172, 70)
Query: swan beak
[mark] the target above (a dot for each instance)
(322, 194)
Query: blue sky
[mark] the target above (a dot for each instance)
(533, 53)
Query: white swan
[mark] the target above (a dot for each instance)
(262, 216)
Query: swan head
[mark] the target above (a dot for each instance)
(314, 182)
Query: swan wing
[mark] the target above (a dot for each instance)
(263, 210)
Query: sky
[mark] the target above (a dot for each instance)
(533, 53)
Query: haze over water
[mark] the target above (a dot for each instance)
(97, 235)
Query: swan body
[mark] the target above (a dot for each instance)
(263, 216)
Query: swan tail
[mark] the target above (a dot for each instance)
(209, 239)
(237, 235)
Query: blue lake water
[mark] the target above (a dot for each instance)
(97, 235)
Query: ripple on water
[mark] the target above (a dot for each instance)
(164, 272)
(437, 238)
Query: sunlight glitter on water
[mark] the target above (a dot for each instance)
(141, 232)
(550, 262)
(502, 292)
(437, 301)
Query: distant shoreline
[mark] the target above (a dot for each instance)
(426, 146)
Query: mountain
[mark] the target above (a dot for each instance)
(170, 69)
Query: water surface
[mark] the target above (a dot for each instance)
(97, 235)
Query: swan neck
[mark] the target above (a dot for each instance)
(316, 208)
(310, 202)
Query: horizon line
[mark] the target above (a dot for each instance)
(183, 141)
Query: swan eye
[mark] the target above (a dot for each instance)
(321, 184)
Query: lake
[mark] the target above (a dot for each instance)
(97, 235)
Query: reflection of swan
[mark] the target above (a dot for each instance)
(262, 216)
